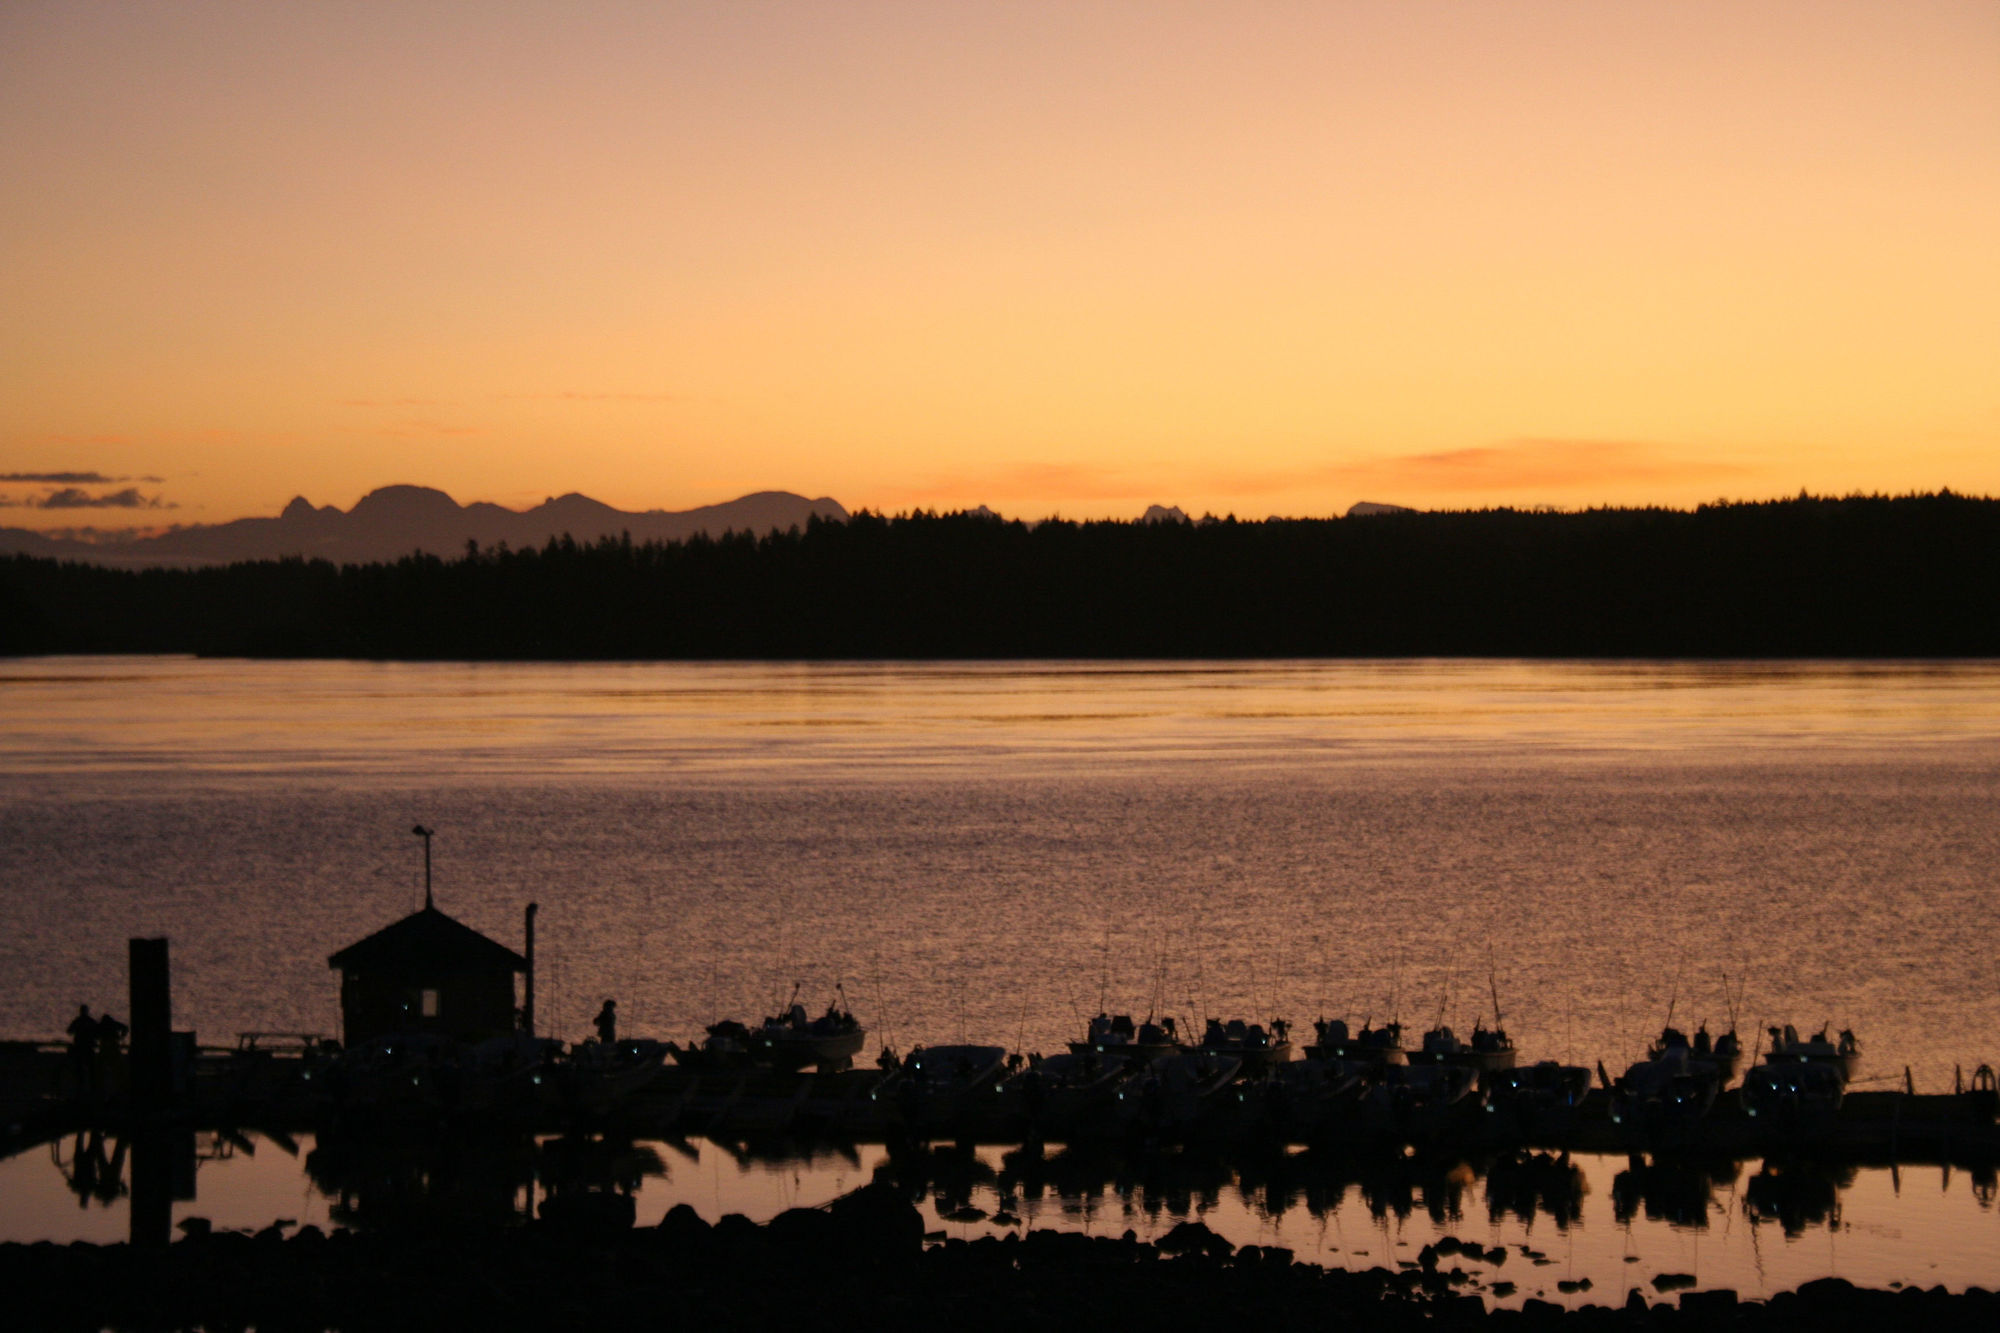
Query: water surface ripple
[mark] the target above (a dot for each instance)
(994, 850)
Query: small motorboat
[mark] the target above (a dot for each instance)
(791, 1040)
(596, 1076)
(1672, 1090)
(1417, 1098)
(1117, 1034)
(1302, 1098)
(1064, 1093)
(940, 1084)
(1252, 1044)
(1371, 1045)
(1724, 1052)
(1176, 1092)
(1842, 1053)
(1794, 1095)
(1489, 1051)
(1541, 1096)
(726, 1046)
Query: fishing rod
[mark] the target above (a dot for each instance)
(1444, 1000)
(1104, 969)
(1674, 997)
(1493, 984)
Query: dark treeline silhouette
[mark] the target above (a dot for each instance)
(1858, 577)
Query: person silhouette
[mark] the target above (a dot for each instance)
(110, 1035)
(607, 1023)
(82, 1047)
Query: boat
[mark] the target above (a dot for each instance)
(1176, 1092)
(939, 1084)
(1254, 1046)
(1842, 1053)
(1117, 1034)
(1670, 1091)
(1724, 1052)
(1417, 1098)
(1302, 1098)
(792, 1041)
(1542, 1096)
(595, 1076)
(726, 1046)
(1488, 1052)
(1794, 1095)
(1064, 1093)
(1371, 1045)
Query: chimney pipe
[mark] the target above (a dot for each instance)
(528, 996)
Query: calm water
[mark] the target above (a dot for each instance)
(988, 851)
(993, 851)
(1921, 1226)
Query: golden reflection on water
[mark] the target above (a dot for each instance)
(1920, 1226)
(398, 719)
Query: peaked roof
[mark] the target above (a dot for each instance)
(424, 941)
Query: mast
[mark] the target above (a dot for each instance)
(425, 834)
(528, 995)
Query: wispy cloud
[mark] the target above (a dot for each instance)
(68, 479)
(1529, 464)
(404, 430)
(581, 396)
(109, 536)
(75, 497)
(1521, 468)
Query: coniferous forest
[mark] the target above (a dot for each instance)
(1915, 576)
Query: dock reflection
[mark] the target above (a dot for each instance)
(413, 1180)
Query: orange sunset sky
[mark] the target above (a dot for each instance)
(1268, 258)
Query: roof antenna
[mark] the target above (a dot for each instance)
(425, 834)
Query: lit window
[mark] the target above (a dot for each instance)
(430, 1004)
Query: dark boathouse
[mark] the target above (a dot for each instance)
(428, 974)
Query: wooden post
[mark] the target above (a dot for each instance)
(151, 990)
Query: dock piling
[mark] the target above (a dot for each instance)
(151, 998)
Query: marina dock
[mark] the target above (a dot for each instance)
(268, 1090)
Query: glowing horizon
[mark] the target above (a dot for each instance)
(1067, 260)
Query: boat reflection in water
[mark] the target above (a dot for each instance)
(443, 1180)
(451, 1180)
(1517, 1222)
(1797, 1195)
(1674, 1189)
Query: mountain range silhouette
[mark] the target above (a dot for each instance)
(394, 521)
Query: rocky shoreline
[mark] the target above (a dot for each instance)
(862, 1261)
